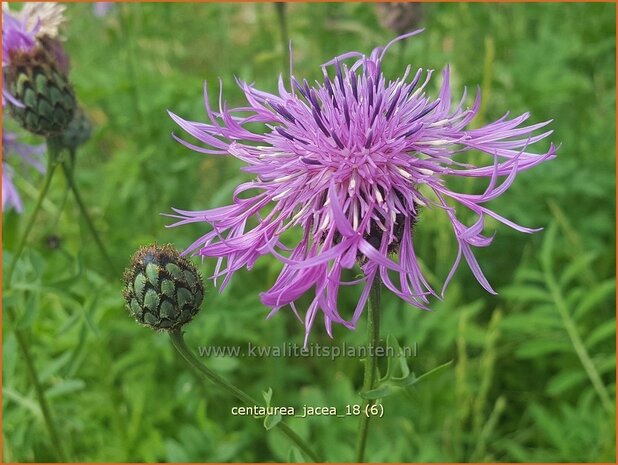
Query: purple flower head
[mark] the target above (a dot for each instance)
(16, 36)
(47, 17)
(22, 31)
(350, 161)
(102, 9)
(27, 154)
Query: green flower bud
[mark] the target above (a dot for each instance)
(36, 81)
(163, 290)
(78, 131)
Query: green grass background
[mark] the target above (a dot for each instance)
(517, 389)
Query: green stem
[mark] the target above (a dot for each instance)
(371, 362)
(63, 202)
(183, 350)
(49, 173)
(285, 40)
(578, 344)
(84, 211)
(65, 195)
(127, 30)
(20, 334)
(22, 342)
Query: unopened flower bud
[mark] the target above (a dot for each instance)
(47, 99)
(55, 48)
(163, 290)
(77, 132)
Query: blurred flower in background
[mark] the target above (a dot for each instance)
(102, 9)
(399, 17)
(352, 161)
(16, 37)
(78, 131)
(27, 34)
(35, 69)
(10, 197)
(24, 154)
(45, 17)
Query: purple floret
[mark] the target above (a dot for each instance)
(22, 153)
(15, 37)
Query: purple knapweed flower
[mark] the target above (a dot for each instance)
(350, 161)
(21, 31)
(28, 154)
(44, 17)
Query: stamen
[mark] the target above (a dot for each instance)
(404, 173)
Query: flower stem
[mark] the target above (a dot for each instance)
(578, 344)
(50, 424)
(68, 173)
(65, 195)
(20, 334)
(285, 40)
(181, 347)
(373, 339)
(129, 45)
(52, 162)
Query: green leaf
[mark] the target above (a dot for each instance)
(548, 425)
(397, 363)
(271, 421)
(606, 364)
(576, 268)
(267, 395)
(53, 367)
(69, 324)
(377, 393)
(525, 293)
(25, 402)
(433, 371)
(295, 456)
(604, 290)
(388, 387)
(65, 387)
(524, 323)
(541, 347)
(603, 331)
(565, 381)
(9, 357)
(547, 248)
(530, 274)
